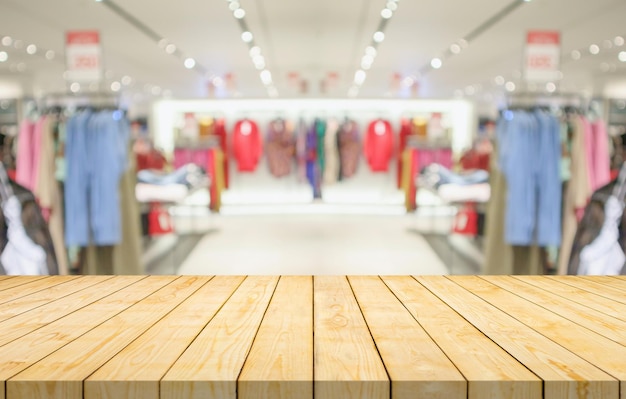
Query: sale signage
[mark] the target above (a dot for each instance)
(543, 56)
(83, 56)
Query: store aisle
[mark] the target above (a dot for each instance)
(312, 244)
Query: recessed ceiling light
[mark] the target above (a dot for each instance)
(594, 49)
(379, 37)
(233, 5)
(190, 63)
(386, 13)
(266, 77)
(75, 87)
(50, 55)
(618, 41)
(162, 43)
(550, 87)
(255, 51)
(455, 48)
(370, 50)
(576, 55)
(116, 86)
(247, 36)
(436, 63)
(7, 41)
(622, 56)
(239, 13)
(359, 77)
(3, 56)
(21, 67)
(126, 80)
(509, 86)
(499, 80)
(31, 49)
(392, 5)
(170, 48)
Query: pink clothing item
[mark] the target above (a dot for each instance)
(24, 173)
(601, 158)
(589, 152)
(36, 151)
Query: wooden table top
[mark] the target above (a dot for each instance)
(324, 337)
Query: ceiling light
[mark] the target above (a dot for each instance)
(255, 51)
(509, 86)
(379, 37)
(436, 63)
(527, 1)
(233, 5)
(259, 62)
(170, 48)
(367, 59)
(371, 51)
(50, 54)
(365, 65)
(247, 36)
(3, 56)
(266, 77)
(576, 55)
(386, 13)
(190, 63)
(622, 56)
(594, 49)
(126, 80)
(31, 49)
(550, 87)
(116, 86)
(618, 41)
(239, 13)
(499, 80)
(455, 49)
(75, 87)
(7, 41)
(359, 77)
(392, 5)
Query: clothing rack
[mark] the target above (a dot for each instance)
(98, 100)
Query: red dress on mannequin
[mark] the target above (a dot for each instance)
(247, 145)
(379, 145)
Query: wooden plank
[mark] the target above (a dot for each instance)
(492, 373)
(618, 282)
(573, 294)
(32, 284)
(13, 281)
(280, 363)
(347, 364)
(61, 374)
(46, 296)
(416, 365)
(28, 322)
(565, 375)
(209, 368)
(136, 371)
(610, 327)
(586, 284)
(29, 349)
(604, 353)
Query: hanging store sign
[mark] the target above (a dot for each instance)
(543, 56)
(83, 56)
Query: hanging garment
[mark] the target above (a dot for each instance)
(301, 151)
(349, 149)
(25, 242)
(604, 255)
(280, 148)
(406, 130)
(320, 132)
(247, 145)
(96, 151)
(25, 160)
(530, 159)
(331, 167)
(220, 131)
(378, 145)
(313, 172)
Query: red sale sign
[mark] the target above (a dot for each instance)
(543, 56)
(83, 56)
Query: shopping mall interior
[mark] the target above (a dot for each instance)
(356, 137)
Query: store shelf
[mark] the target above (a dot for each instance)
(303, 337)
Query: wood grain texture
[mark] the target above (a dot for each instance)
(32, 284)
(61, 374)
(34, 319)
(565, 375)
(280, 363)
(54, 293)
(500, 376)
(618, 282)
(586, 284)
(604, 353)
(44, 341)
(136, 371)
(209, 368)
(347, 364)
(416, 365)
(589, 299)
(13, 281)
(610, 327)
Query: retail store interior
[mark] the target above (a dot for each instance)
(258, 137)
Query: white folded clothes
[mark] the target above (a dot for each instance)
(464, 193)
(161, 193)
